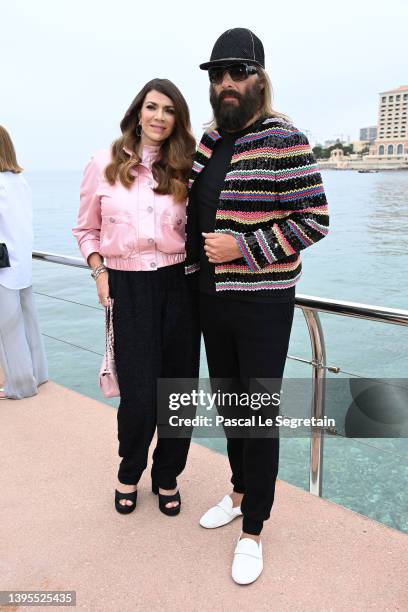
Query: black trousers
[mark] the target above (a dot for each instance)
(245, 341)
(156, 334)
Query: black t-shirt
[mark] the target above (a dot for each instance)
(206, 195)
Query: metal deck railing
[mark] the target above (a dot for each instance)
(311, 307)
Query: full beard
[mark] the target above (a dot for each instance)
(231, 116)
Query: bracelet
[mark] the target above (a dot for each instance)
(97, 271)
(100, 267)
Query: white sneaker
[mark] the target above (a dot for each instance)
(221, 514)
(248, 563)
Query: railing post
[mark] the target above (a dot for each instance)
(318, 397)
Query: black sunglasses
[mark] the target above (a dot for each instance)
(237, 72)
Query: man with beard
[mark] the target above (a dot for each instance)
(256, 200)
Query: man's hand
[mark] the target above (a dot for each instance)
(220, 248)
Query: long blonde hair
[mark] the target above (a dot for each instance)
(266, 108)
(8, 159)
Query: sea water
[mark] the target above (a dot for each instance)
(363, 259)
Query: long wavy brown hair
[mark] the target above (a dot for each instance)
(172, 167)
(8, 159)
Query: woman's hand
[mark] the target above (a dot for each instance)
(102, 287)
(221, 248)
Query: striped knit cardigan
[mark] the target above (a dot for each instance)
(272, 202)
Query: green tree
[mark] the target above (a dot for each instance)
(318, 151)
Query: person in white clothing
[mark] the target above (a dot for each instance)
(22, 356)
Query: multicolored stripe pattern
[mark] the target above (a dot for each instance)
(273, 202)
(192, 268)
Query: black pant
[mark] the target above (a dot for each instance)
(245, 341)
(156, 334)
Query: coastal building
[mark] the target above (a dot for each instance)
(389, 151)
(360, 145)
(368, 134)
(392, 134)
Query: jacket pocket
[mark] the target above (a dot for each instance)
(171, 236)
(118, 236)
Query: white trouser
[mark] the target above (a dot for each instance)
(22, 355)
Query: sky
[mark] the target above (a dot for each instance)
(70, 68)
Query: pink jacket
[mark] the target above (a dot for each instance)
(133, 229)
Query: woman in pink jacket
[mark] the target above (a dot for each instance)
(131, 232)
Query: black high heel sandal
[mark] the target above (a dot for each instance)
(124, 508)
(165, 499)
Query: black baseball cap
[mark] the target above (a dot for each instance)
(234, 47)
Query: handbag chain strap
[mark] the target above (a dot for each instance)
(109, 340)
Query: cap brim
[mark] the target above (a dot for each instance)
(229, 60)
